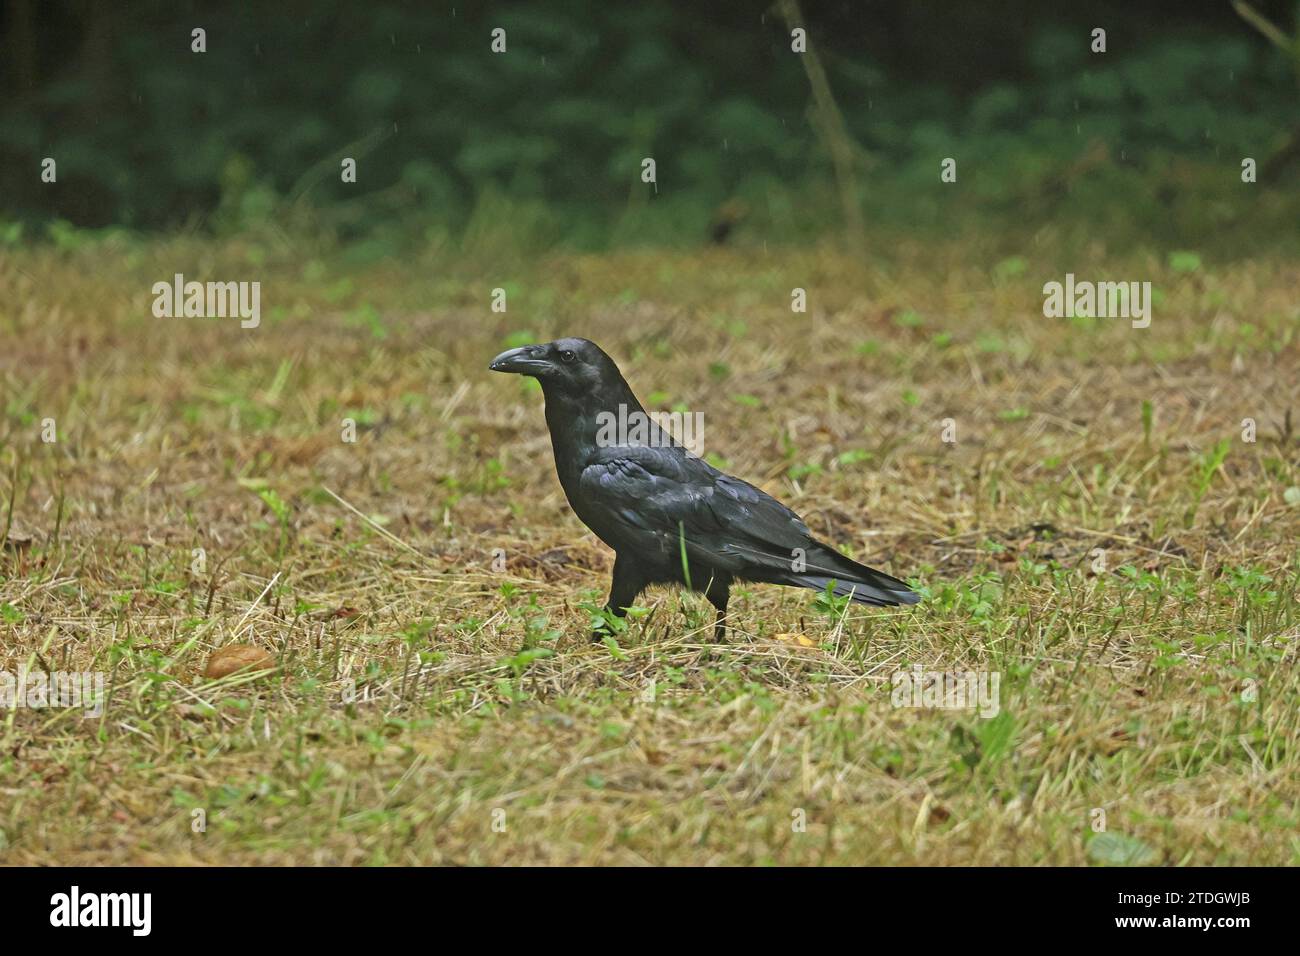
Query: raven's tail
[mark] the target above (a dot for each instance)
(852, 580)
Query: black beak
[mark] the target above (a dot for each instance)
(520, 361)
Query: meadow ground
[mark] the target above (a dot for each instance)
(1101, 534)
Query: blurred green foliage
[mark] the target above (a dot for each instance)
(543, 144)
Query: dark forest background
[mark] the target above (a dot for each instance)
(454, 141)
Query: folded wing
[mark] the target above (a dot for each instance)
(664, 500)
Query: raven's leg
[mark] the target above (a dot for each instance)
(718, 593)
(629, 581)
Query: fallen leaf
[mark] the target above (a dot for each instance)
(799, 639)
(234, 658)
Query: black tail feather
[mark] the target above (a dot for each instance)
(856, 581)
(861, 592)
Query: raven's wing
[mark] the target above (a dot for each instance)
(671, 501)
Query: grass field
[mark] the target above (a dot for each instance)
(1101, 534)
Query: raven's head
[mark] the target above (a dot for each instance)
(571, 366)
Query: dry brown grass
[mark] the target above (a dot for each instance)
(402, 713)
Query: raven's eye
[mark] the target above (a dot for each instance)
(567, 356)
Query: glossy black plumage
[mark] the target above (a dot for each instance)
(672, 518)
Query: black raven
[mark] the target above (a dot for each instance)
(670, 517)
